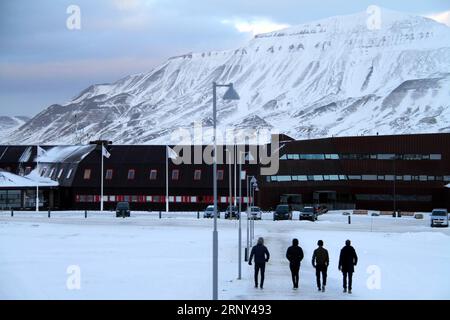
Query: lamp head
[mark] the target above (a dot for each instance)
(231, 94)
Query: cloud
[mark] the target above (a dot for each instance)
(126, 5)
(255, 26)
(443, 17)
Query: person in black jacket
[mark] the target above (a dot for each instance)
(262, 256)
(320, 261)
(347, 262)
(295, 256)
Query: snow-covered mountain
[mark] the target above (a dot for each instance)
(334, 76)
(9, 124)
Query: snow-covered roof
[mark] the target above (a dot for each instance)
(60, 154)
(11, 180)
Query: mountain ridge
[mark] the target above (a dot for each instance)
(328, 77)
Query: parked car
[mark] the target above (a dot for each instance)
(308, 213)
(282, 212)
(439, 217)
(255, 213)
(122, 209)
(209, 212)
(231, 212)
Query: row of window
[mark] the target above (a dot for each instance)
(361, 156)
(364, 177)
(109, 174)
(53, 173)
(156, 199)
(390, 197)
(153, 174)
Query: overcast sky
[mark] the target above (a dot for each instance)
(43, 62)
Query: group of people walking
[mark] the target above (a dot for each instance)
(320, 261)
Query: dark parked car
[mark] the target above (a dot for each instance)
(282, 212)
(231, 213)
(308, 213)
(123, 209)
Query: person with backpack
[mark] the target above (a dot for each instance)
(320, 261)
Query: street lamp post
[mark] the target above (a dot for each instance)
(240, 229)
(230, 94)
(252, 181)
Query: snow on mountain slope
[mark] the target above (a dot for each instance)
(330, 77)
(9, 124)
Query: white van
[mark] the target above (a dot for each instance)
(439, 217)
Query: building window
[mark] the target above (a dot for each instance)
(69, 174)
(27, 170)
(386, 156)
(312, 157)
(220, 175)
(43, 171)
(153, 174)
(87, 174)
(332, 156)
(197, 174)
(293, 157)
(175, 174)
(109, 174)
(131, 174)
(435, 157)
(51, 173)
(60, 173)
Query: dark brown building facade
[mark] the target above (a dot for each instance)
(397, 172)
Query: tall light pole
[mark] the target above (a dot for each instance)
(240, 212)
(252, 181)
(239, 217)
(230, 94)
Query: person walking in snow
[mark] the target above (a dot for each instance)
(347, 262)
(295, 256)
(261, 254)
(320, 261)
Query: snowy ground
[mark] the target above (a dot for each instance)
(144, 257)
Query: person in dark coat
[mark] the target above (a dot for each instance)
(320, 261)
(295, 256)
(347, 262)
(262, 256)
